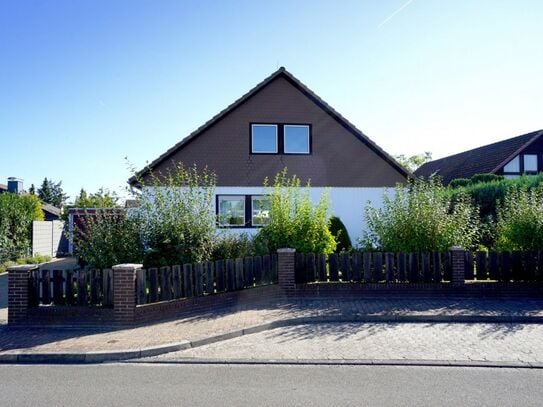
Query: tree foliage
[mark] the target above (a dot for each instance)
(339, 231)
(519, 223)
(16, 215)
(295, 221)
(177, 216)
(52, 193)
(414, 161)
(421, 218)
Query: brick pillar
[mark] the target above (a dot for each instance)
(286, 271)
(124, 292)
(19, 292)
(458, 265)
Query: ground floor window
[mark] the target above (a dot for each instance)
(239, 211)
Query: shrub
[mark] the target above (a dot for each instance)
(16, 215)
(294, 221)
(520, 220)
(339, 231)
(420, 218)
(232, 246)
(177, 217)
(477, 178)
(108, 237)
(459, 182)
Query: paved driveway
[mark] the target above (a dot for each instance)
(380, 341)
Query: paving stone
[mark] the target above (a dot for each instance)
(196, 326)
(435, 341)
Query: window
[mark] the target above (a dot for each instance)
(260, 208)
(264, 138)
(513, 165)
(296, 139)
(243, 211)
(231, 210)
(530, 163)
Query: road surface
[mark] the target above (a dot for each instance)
(228, 385)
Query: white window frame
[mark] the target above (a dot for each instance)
(285, 139)
(253, 151)
(261, 198)
(230, 198)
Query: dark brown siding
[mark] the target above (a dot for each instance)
(338, 157)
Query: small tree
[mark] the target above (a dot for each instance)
(421, 218)
(519, 223)
(294, 221)
(176, 211)
(52, 193)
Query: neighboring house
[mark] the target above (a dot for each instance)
(50, 212)
(15, 185)
(282, 123)
(510, 158)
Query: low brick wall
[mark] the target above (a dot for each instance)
(468, 290)
(125, 310)
(168, 309)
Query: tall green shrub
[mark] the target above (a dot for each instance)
(294, 220)
(419, 218)
(177, 217)
(519, 223)
(108, 237)
(339, 231)
(16, 215)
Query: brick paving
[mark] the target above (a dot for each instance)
(381, 341)
(196, 326)
(385, 341)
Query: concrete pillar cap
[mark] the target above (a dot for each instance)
(286, 250)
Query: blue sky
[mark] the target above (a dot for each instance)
(84, 84)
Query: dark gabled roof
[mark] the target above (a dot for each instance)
(53, 210)
(481, 160)
(281, 72)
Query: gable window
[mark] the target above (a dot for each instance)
(231, 210)
(512, 166)
(260, 208)
(296, 139)
(264, 139)
(530, 163)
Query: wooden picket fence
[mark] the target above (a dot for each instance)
(434, 267)
(71, 287)
(373, 267)
(517, 266)
(207, 278)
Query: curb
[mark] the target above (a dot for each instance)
(14, 357)
(348, 362)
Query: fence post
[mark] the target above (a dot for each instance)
(19, 292)
(458, 265)
(286, 270)
(124, 292)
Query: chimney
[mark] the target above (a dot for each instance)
(15, 185)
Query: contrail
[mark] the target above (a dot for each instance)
(386, 20)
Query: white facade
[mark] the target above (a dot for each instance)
(348, 204)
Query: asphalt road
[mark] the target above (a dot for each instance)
(228, 385)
